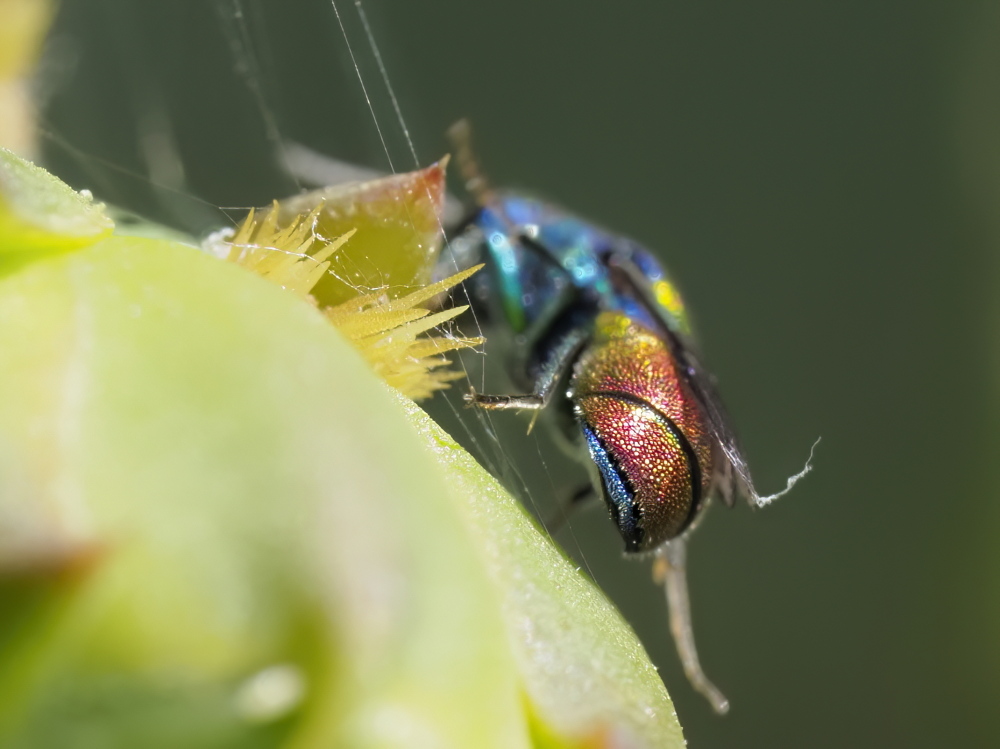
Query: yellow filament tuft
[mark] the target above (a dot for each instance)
(389, 333)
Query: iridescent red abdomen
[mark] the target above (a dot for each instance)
(636, 408)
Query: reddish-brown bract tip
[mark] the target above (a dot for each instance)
(398, 222)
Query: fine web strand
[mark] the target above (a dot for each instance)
(156, 138)
(237, 35)
(568, 516)
(385, 79)
(156, 141)
(240, 45)
(485, 419)
(361, 80)
(373, 45)
(402, 123)
(88, 160)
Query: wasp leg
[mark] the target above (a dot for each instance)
(529, 402)
(670, 569)
(556, 366)
(582, 496)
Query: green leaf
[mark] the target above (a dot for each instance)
(584, 672)
(224, 486)
(218, 528)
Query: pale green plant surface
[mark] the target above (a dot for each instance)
(39, 213)
(205, 491)
(582, 666)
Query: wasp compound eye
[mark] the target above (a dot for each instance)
(649, 473)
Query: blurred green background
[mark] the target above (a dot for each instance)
(824, 180)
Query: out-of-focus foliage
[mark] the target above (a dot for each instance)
(23, 24)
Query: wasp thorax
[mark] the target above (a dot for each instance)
(648, 472)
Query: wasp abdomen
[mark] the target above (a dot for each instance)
(638, 448)
(629, 394)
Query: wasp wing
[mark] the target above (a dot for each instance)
(736, 479)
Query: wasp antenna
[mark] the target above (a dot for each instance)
(460, 135)
(792, 480)
(670, 569)
(567, 505)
